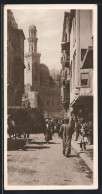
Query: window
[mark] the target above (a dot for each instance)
(28, 67)
(84, 79)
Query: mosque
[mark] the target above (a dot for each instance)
(42, 87)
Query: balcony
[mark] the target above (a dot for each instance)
(63, 80)
(67, 63)
(68, 85)
(65, 46)
(88, 59)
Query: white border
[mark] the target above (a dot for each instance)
(95, 165)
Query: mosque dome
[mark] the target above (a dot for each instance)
(44, 75)
(44, 72)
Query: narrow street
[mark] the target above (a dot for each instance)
(44, 164)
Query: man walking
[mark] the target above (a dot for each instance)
(67, 136)
(77, 129)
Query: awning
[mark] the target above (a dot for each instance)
(88, 59)
(82, 99)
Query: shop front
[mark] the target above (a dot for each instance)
(83, 108)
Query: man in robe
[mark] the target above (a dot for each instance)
(67, 136)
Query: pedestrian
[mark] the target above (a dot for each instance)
(11, 127)
(60, 133)
(48, 134)
(52, 126)
(83, 134)
(77, 128)
(58, 126)
(24, 135)
(90, 132)
(67, 136)
(72, 122)
(28, 136)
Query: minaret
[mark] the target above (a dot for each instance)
(32, 39)
(32, 61)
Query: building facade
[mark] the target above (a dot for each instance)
(79, 30)
(65, 61)
(15, 62)
(81, 63)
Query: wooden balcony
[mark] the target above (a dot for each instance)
(65, 46)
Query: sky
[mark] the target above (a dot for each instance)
(49, 24)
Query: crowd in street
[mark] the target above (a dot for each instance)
(65, 129)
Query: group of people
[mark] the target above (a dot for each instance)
(80, 127)
(66, 129)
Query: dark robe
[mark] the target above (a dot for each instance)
(67, 135)
(60, 133)
(48, 134)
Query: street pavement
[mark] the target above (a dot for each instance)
(86, 155)
(44, 164)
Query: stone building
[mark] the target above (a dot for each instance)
(81, 63)
(65, 61)
(15, 62)
(50, 92)
(77, 64)
(41, 90)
